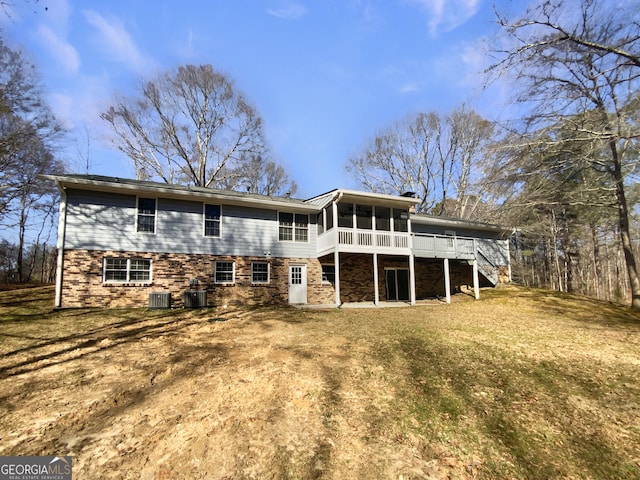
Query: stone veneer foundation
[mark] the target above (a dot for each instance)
(83, 286)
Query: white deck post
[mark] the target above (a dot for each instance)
(336, 253)
(476, 281)
(447, 281)
(376, 290)
(412, 266)
(412, 280)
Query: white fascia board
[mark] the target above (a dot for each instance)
(368, 197)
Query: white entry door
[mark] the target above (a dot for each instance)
(298, 284)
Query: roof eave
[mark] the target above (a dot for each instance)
(168, 192)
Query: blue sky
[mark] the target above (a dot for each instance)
(325, 75)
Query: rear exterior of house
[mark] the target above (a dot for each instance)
(131, 243)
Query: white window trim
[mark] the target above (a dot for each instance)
(204, 220)
(322, 280)
(233, 272)
(128, 279)
(293, 226)
(155, 216)
(268, 274)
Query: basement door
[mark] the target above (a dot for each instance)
(397, 284)
(298, 284)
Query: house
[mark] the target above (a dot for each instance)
(125, 242)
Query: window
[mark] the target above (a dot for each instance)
(211, 220)
(383, 215)
(302, 227)
(400, 220)
(329, 274)
(345, 215)
(293, 227)
(285, 221)
(124, 270)
(364, 217)
(260, 272)
(329, 216)
(224, 272)
(320, 222)
(146, 215)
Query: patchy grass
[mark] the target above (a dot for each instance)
(522, 384)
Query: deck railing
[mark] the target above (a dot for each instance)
(423, 245)
(441, 246)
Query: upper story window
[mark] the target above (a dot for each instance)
(293, 227)
(345, 215)
(146, 221)
(383, 222)
(400, 218)
(211, 220)
(126, 270)
(364, 217)
(320, 222)
(329, 216)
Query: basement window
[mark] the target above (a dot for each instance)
(259, 272)
(224, 272)
(126, 270)
(328, 274)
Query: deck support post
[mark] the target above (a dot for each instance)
(447, 281)
(376, 289)
(336, 253)
(412, 280)
(476, 280)
(336, 262)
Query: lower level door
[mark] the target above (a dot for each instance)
(397, 284)
(298, 284)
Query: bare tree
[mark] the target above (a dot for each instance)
(576, 63)
(189, 126)
(264, 177)
(437, 157)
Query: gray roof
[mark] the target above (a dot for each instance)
(105, 183)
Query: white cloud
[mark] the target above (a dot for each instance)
(288, 11)
(63, 105)
(117, 42)
(446, 15)
(64, 53)
(410, 88)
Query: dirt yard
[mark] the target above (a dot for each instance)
(205, 394)
(262, 393)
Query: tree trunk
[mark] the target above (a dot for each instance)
(625, 235)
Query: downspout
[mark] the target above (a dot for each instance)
(62, 227)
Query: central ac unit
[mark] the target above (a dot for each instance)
(195, 299)
(158, 300)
